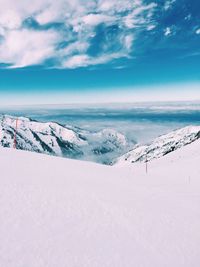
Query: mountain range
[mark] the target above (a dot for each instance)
(60, 140)
(106, 146)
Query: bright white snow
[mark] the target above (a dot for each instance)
(67, 141)
(56, 212)
(161, 146)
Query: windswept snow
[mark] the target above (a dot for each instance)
(58, 212)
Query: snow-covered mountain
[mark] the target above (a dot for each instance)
(103, 146)
(64, 212)
(162, 145)
(66, 141)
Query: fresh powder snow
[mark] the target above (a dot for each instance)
(62, 212)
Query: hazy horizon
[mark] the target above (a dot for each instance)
(140, 122)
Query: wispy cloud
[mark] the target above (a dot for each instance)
(198, 31)
(167, 31)
(168, 4)
(67, 33)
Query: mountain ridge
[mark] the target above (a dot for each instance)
(162, 145)
(106, 146)
(60, 140)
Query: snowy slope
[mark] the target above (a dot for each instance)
(66, 141)
(60, 212)
(162, 146)
(40, 137)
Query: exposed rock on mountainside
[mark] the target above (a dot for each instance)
(66, 141)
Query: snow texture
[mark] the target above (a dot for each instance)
(162, 146)
(62, 212)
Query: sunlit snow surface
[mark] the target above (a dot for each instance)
(61, 212)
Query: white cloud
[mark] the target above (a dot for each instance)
(75, 48)
(128, 41)
(27, 47)
(2, 31)
(169, 4)
(119, 6)
(134, 19)
(106, 5)
(198, 31)
(12, 13)
(24, 46)
(167, 31)
(10, 19)
(96, 19)
(85, 60)
(188, 17)
(77, 61)
(151, 27)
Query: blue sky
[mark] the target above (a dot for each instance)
(99, 51)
